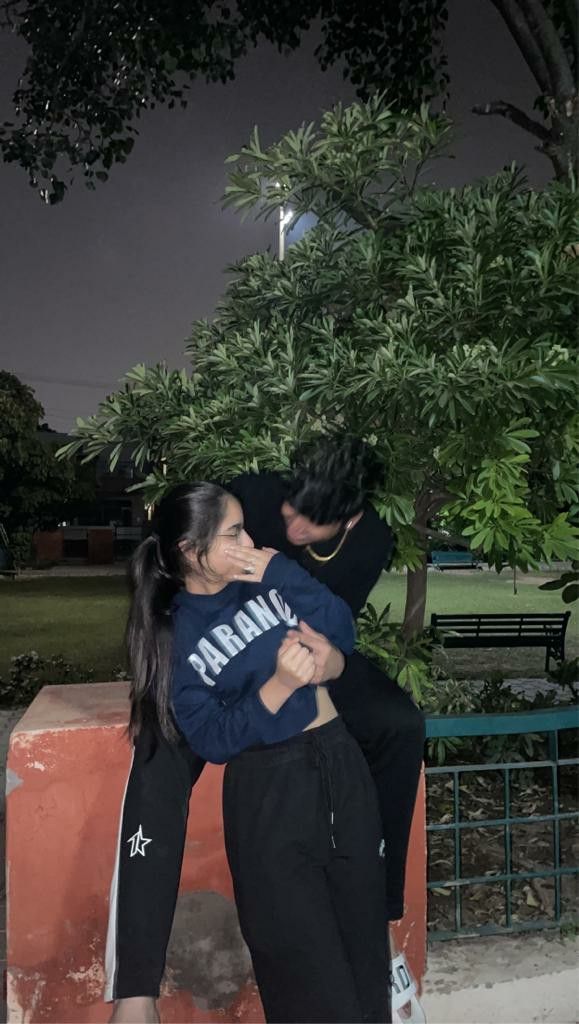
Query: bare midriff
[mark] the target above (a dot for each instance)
(326, 709)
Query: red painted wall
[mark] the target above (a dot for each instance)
(67, 768)
(48, 545)
(101, 545)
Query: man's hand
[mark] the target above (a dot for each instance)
(329, 661)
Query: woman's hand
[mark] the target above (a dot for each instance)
(249, 564)
(295, 666)
(329, 661)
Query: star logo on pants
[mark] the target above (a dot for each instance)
(138, 843)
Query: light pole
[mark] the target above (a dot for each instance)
(284, 218)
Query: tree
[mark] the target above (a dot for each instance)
(34, 486)
(94, 68)
(436, 325)
(547, 35)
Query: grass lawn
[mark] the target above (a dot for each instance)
(83, 618)
(462, 592)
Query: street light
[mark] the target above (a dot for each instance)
(284, 219)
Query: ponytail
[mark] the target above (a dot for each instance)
(149, 638)
(186, 519)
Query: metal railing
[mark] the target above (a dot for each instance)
(550, 722)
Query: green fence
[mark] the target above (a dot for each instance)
(550, 722)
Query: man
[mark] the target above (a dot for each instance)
(322, 517)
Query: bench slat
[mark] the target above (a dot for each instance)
(509, 629)
(482, 625)
(507, 616)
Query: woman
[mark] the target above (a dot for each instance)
(214, 648)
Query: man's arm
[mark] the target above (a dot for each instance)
(217, 730)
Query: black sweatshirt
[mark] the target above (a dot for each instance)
(351, 575)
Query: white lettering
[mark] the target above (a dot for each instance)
(199, 665)
(231, 643)
(284, 611)
(263, 615)
(248, 629)
(214, 658)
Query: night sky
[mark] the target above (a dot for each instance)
(114, 277)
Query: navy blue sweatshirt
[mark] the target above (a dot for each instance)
(225, 648)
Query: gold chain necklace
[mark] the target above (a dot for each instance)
(327, 558)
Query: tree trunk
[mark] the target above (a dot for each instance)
(551, 65)
(427, 504)
(563, 146)
(415, 600)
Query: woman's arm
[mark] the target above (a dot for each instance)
(308, 598)
(217, 729)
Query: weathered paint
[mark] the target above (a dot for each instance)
(12, 781)
(409, 934)
(69, 756)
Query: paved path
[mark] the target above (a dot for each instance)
(116, 569)
(503, 979)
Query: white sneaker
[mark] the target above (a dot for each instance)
(406, 1006)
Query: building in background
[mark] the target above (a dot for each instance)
(112, 505)
(100, 530)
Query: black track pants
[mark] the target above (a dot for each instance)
(148, 866)
(303, 839)
(390, 731)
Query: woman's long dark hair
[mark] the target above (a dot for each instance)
(186, 519)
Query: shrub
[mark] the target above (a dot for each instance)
(29, 672)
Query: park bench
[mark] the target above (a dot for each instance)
(529, 629)
(442, 560)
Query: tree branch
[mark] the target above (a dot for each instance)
(448, 538)
(438, 499)
(528, 46)
(572, 18)
(517, 116)
(428, 503)
(7, 9)
(549, 41)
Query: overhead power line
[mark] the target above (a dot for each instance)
(68, 381)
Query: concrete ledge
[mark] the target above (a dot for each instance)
(67, 768)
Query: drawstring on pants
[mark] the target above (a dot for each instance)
(323, 763)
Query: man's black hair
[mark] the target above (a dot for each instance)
(331, 479)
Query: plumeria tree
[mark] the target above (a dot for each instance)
(436, 325)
